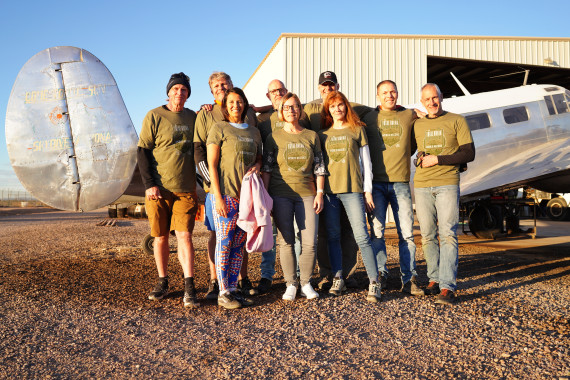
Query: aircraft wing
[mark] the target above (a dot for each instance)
(533, 167)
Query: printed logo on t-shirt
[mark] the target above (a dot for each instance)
(337, 147)
(296, 156)
(246, 150)
(278, 125)
(391, 131)
(434, 141)
(181, 138)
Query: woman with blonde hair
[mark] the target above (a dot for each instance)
(293, 172)
(345, 146)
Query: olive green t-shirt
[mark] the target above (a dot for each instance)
(273, 123)
(239, 149)
(390, 136)
(342, 158)
(314, 108)
(293, 156)
(263, 116)
(440, 136)
(169, 136)
(206, 119)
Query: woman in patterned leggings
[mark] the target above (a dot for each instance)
(234, 151)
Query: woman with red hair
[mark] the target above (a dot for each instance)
(345, 144)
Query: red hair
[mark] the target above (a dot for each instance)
(351, 117)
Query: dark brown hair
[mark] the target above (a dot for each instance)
(235, 90)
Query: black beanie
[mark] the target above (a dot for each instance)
(179, 78)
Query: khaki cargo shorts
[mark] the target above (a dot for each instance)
(172, 212)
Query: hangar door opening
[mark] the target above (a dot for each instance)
(482, 76)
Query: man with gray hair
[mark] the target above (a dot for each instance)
(275, 91)
(444, 144)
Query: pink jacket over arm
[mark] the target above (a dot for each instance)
(255, 206)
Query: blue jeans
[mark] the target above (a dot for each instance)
(267, 265)
(437, 209)
(354, 205)
(209, 213)
(399, 197)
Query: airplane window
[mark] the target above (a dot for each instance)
(515, 114)
(478, 121)
(561, 105)
(550, 105)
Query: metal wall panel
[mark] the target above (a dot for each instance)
(361, 61)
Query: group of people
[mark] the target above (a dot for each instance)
(328, 165)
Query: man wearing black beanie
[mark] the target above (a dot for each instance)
(166, 163)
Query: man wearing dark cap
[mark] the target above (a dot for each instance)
(166, 163)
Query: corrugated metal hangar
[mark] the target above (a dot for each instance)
(361, 61)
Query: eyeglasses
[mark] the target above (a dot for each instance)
(294, 107)
(278, 91)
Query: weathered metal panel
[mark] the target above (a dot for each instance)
(70, 138)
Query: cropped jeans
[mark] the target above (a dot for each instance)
(437, 209)
(354, 205)
(399, 197)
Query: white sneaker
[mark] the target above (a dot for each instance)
(374, 292)
(290, 293)
(308, 291)
(337, 287)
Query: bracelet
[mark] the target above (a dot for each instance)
(320, 191)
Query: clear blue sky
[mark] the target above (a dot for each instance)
(143, 42)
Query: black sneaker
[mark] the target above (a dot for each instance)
(383, 282)
(160, 290)
(246, 288)
(264, 285)
(350, 282)
(244, 301)
(213, 290)
(227, 301)
(432, 288)
(446, 297)
(190, 299)
(411, 287)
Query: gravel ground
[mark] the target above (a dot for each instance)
(74, 304)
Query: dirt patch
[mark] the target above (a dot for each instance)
(74, 304)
